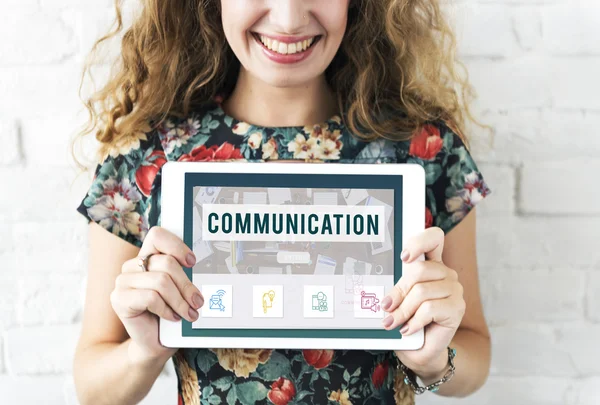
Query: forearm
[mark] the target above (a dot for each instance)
(472, 364)
(106, 374)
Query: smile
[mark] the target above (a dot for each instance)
(286, 48)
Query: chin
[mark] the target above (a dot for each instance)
(283, 80)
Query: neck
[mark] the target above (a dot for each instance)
(258, 103)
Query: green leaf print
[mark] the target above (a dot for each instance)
(205, 360)
(460, 152)
(346, 376)
(207, 391)
(250, 392)
(214, 399)
(451, 191)
(324, 374)
(432, 202)
(453, 171)
(231, 397)
(432, 173)
(300, 395)
(277, 366)
(223, 383)
(123, 171)
(208, 123)
(448, 140)
(107, 169)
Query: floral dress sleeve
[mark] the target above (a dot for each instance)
(123, 197)
(454, 183)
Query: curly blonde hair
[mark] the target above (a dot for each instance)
(395, 69)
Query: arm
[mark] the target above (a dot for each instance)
(472, 339)
(106, 368)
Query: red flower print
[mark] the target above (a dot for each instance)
(318, 358)
(215, 152)
(428, 218)
(227, 151)
(379, 374)
(145, 174)
(282, 391)
(427, 143)
(199, 154)
(179, 399)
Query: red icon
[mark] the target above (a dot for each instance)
(369, 301)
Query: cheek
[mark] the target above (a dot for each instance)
(237, 17)
(334, 19)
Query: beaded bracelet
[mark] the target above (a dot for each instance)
(411, 378)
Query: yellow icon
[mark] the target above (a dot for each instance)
(267, 300)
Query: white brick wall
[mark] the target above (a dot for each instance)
(535, 66)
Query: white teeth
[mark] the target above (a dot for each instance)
(283, 48)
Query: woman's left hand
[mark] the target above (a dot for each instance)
(428, 295)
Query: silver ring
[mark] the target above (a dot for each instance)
(143, 262)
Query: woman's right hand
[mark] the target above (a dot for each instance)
(139, 297)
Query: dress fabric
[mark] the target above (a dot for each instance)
(124, 198)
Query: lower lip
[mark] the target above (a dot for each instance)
(285, 59)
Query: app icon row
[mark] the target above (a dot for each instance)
(268, 301)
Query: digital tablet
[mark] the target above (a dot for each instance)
(292, 255)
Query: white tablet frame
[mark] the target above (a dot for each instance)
(172, 219)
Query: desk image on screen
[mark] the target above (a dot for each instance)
(292, 257)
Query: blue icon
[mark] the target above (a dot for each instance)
(216, 301)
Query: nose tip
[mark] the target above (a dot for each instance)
(290, 15)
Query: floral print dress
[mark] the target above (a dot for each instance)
(124, 198)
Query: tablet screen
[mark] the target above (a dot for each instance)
(292, 251)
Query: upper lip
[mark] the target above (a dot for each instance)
(287, 39)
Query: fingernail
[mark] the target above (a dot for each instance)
(197, 299)
(404, 255)
(176, 316)
(386, 302)
(404, 329)
(388, 321)
(193, 313)
(191, 259)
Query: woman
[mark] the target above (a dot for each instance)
(278, 80)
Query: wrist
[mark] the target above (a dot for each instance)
(434, 371)
(427, 375)
(140, 356)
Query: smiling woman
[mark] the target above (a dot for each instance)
(310, 81)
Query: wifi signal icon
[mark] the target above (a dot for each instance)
(220, 292)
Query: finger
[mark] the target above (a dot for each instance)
(168, 264)
(159, 240)
(162, 283)
(413, 273)
(442, 311)
(419, 294)
(129, 303)
(430, 242)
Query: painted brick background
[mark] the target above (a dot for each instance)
(534, 64)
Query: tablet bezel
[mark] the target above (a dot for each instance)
(172, 219)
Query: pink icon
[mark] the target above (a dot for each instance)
(369, 301)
